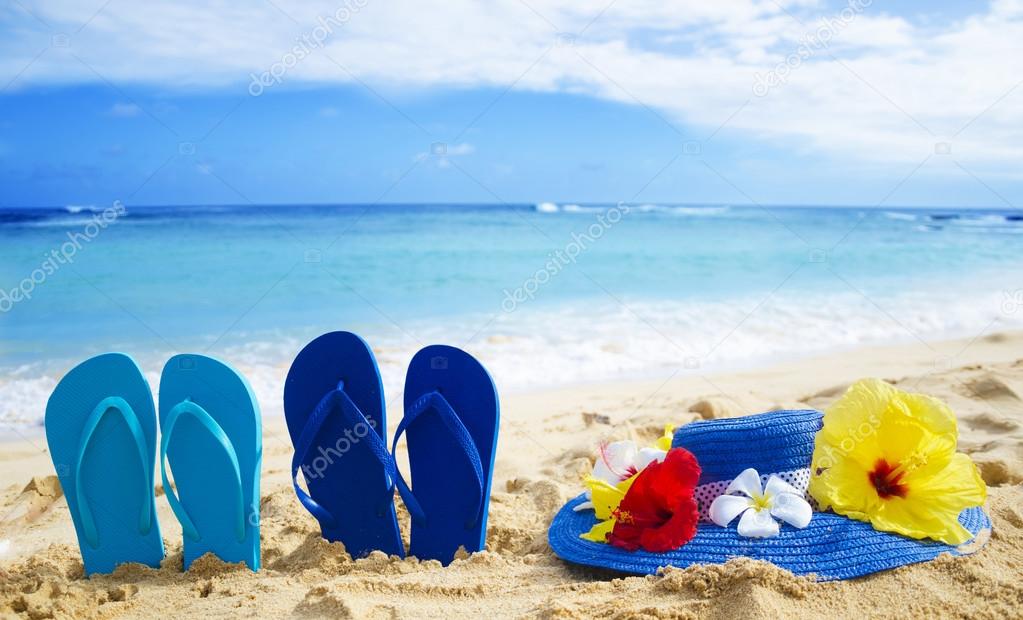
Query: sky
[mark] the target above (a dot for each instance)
(855, 102)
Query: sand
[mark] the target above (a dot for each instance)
(546, 445)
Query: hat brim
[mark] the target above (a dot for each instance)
(830, 547)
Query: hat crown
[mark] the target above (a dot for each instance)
(772, 442)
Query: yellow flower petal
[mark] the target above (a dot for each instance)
(912, 518)
(900, 438)
(959, 484)
(946, 494)
(664, 441)
(606, 497)
(599, 532)
(863, 400)
(851, 425)
(845, 488)
(938, 443)
(932, 412)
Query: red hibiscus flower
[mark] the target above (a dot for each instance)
(659, 513)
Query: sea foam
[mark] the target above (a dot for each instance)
(547, 345)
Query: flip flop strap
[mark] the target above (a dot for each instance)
(187, 407)
(118, 404)
(435, 401)
(338, 401)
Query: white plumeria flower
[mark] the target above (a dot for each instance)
(759, 507)
(620, 461)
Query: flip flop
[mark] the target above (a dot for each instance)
(451, 418)
(334, 405)
(212, 441)
(101, 431)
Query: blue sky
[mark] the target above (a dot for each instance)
(908, 103)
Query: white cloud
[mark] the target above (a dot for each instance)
(462, 148)
(125, 110)
(885, 89)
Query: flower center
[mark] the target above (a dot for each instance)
(887, 480)
(760, 502)
(623, 516)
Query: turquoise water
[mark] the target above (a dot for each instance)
(544, 294)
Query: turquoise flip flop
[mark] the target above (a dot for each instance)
(451, 422)
(212, 441)
(101, 431)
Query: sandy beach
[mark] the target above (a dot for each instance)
(628, 217)
(546, 446)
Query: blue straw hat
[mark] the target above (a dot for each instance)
(781, 442)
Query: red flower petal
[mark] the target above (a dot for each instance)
(659, 513)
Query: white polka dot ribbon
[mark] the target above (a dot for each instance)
(707, 493)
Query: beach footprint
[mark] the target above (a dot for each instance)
(994, 389)
(24, 508)
(34, 500)
(994, 434)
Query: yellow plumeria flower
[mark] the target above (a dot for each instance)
(664, 441)
(605, 498)
(889, 457)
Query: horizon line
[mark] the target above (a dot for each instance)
(93, 206)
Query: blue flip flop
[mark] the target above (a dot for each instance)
(212, 441)
(334, 405)
(101, 430)
(451, 419)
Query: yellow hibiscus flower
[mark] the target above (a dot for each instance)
(889, 457)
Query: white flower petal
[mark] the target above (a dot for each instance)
(757, 524)
(725, 508)
(747, 483)
(614, 461)
(776, 486)
(792, 509)
(647, 456)
(583, 506)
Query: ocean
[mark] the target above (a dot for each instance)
(543, 294)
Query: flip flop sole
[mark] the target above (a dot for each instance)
(204, 474)
(114, 483)
(341, 473)
(442, 481)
